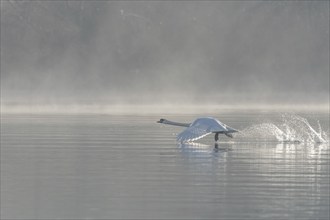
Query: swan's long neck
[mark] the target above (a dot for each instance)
(164, 121)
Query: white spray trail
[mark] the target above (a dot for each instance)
(293, 129)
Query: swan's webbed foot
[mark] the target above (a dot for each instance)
(216, 137)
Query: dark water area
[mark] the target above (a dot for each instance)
(127, 166)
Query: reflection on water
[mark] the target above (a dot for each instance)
(105, 166)
(203, 150)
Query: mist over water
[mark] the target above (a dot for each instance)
(98, 53)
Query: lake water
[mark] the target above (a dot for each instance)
(127, 166)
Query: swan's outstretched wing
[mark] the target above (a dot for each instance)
(200, 128)
(192, 133)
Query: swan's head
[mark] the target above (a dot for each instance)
(161, 120)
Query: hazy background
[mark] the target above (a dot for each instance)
(156, 52)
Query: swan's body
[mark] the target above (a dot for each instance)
(200, 128)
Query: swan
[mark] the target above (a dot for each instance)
(200, 128)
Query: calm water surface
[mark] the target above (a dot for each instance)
(128, 166)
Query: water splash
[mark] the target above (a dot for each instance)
(292, 129)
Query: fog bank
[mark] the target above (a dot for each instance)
(121, 53)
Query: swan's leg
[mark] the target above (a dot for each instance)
(216, 137)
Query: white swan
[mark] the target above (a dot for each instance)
(200, 128)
